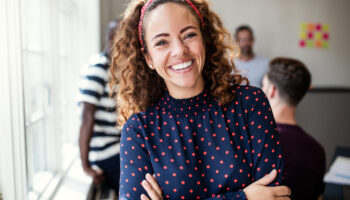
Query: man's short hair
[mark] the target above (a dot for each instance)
(243, 28)
(291, 78)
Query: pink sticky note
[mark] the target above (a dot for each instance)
(318, 27)
(302, 43)
(326, 36)
(310, 35)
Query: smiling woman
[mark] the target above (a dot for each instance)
(186, 119)
(176, 50)
(136, 81)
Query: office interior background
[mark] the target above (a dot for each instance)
(44, 45)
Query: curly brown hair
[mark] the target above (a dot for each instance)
(137, 86)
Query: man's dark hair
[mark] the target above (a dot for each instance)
(291, 78)
(243, 28)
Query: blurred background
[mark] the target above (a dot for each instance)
(44, 45)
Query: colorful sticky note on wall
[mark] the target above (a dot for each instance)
(314, 35)
(318, 36)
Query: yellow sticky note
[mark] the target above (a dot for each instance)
(318, 36)
(303, 26)
(302, 35)
(325, 27)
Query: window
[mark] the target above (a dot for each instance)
(46, 45)
(37, 95)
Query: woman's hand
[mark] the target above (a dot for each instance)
(258, 190)
(152, 188)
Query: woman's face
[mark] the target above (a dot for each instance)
(175, 48)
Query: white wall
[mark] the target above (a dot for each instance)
(277, 23)
(110, 10)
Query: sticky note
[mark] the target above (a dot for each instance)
(325, 27)
(310, 35)
(302, 35)
(318, 36)
(318, 44)
(310, 27)
(325, 36)
(310, 44)
(318, 27)
(325, 45)
(303, 26)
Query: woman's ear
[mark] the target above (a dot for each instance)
(147, 58)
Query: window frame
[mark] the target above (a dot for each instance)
(14, 183)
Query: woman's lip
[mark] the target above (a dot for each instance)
(180, 62)
(181, 71)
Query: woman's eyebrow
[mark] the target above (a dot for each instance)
(159, 35)
(186, 28)
(167, 34)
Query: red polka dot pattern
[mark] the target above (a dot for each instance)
(200, 149)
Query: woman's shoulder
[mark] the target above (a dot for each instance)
(140, 118)
(247, 92)
(133, 122)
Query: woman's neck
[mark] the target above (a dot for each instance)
(186, 92)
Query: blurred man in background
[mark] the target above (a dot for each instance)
(250, 65)
(99, 138)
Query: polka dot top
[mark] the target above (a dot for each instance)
(199, 149)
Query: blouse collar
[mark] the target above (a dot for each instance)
(186, 107)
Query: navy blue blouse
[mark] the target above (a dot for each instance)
(200, 149)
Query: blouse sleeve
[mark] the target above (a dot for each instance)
(134, 161)
(262, 130)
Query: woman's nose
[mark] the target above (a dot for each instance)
(179, 48)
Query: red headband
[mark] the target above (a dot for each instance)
(143, 11)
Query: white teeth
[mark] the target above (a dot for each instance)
(182, 65)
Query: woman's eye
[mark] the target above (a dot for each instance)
(161, 43)
(190, 35)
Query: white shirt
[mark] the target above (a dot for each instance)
(254, 69)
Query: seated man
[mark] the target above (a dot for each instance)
(285, 84)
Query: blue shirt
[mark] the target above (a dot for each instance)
(200, 149)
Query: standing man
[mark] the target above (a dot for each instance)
(285, 84)
(250, 65)
(99, 139)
